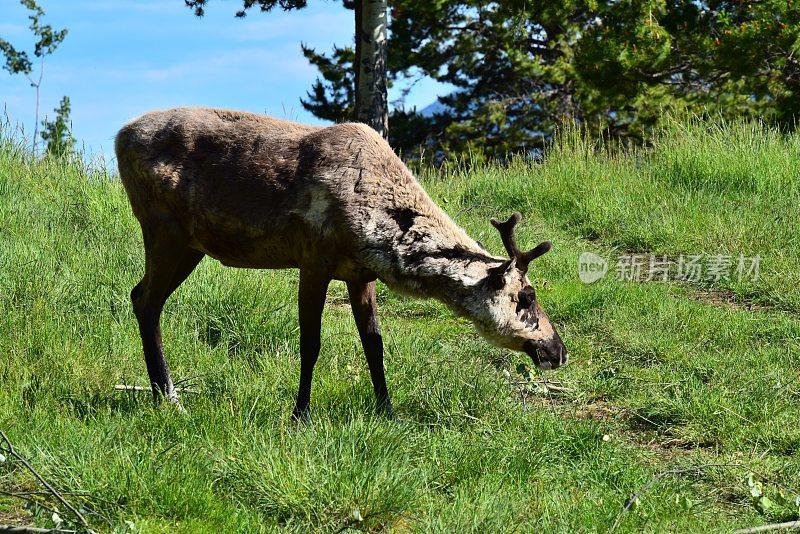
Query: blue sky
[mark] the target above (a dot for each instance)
(124, 57)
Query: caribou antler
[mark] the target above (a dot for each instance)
(506, 230)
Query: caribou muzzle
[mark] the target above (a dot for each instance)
(547, 354)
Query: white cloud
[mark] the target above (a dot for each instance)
(254, 60)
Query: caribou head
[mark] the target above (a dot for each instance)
(515, 318)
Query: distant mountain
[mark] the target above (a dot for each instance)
(432, 109)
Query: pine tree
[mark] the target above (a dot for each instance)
(522, 67)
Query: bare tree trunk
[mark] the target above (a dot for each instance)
(372, 102)
(36, 121)
(357, 9)
(37, 85)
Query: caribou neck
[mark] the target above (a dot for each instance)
(439, 268)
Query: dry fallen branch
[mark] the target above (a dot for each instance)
(125, 387)
(789, 525)
(9, 448)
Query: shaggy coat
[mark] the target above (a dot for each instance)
(335, 202)
(254, 191)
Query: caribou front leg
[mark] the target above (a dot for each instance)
(311, 301)
(365, 308)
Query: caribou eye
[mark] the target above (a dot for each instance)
(526, 307)
(526, 298)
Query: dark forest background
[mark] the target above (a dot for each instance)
(618, 68)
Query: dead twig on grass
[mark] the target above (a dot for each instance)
(125, 387)
(9, 449)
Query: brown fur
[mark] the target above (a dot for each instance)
(335, 202)
(253, 191)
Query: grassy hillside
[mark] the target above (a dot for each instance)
(701, 377)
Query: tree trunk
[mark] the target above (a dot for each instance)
(372, 102)
(357, 60)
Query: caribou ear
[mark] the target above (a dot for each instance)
(497, 275)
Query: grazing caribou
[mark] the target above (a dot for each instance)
(335, 202)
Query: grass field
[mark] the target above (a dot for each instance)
(696, 383)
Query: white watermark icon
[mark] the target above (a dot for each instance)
(685, 268)
(591, 267)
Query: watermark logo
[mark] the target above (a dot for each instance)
(694, 268)
(591, 267)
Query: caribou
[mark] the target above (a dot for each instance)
(334, 202)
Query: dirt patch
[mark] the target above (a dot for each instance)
(13, 512)
(727, 299)
(685, 444)
(337, 299)
(600, 411)
(664, 443)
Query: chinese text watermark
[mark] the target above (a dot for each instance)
(694, 268)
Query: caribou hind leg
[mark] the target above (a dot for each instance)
(168, 261)
(365, 312)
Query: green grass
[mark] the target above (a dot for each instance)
(663, 375)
